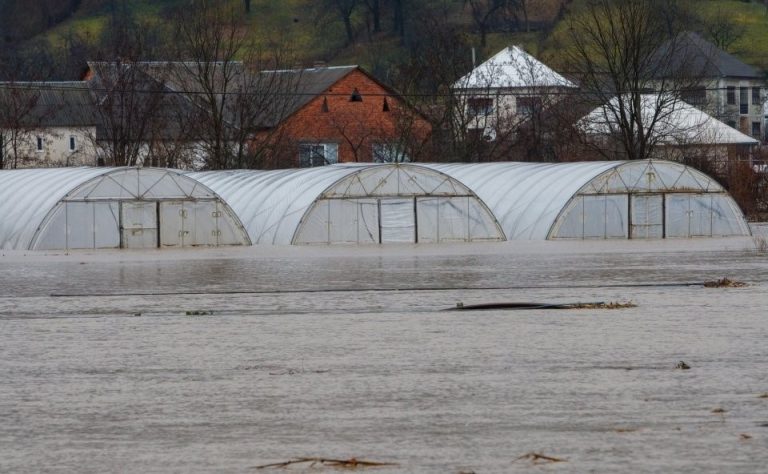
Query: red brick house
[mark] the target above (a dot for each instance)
(338, 115)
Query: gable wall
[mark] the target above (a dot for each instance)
(354, 126)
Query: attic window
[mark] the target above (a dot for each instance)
(385, 108)
(356, 97)
(324, 107)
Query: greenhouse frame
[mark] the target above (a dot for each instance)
(95, 208)
(72, 208)
(349, 203)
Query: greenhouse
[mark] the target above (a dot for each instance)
(602, 200)
(91, 208)
(359, 204)
(94, 208)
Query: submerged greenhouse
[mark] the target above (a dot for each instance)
(602, 200)
(94, 208)
(354, 204)
(84, 208)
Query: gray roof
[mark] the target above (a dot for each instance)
(298, 87)
(703, 58)
(51, 104)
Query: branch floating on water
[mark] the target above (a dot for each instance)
(351, 463)
(538, 458)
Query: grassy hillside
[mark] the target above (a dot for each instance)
(317, 34)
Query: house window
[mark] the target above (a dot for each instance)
(743, 100)
(356, 97)
(389, 153)
(39, 144)
(479, 106)
(318, 154)
(528, 105)
(756, 100)
(731, 95)
(72, 143)
(695, 96)
(756, 129)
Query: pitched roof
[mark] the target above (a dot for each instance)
(683, 124)
(297, 87)
(512, 68)
(51, 104)
(702, 58)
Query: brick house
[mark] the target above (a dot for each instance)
(342, 114)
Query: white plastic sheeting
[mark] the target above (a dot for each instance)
(649, 200)
(87, 208)
(371, 203)
(601, 199)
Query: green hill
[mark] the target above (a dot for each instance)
(313, 29)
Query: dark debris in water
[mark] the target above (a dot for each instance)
(724, 283)
(199, 313)
(522, 306)
(682, 365)
(351, 463)
(538, 458)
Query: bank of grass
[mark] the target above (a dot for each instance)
(309, 33)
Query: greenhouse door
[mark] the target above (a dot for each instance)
(397, 221)
(188, 223)
(647, 213)
(139, 224)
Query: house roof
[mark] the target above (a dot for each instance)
(683, 124)
(297, 87)
(50, 104)
(512, 67)
(702, 58)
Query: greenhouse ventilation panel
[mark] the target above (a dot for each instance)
(93, 208)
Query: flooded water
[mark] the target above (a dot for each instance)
(348, 352)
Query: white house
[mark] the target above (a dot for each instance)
(507, 89)
(727, 88)
(46, 124)
(676, 128)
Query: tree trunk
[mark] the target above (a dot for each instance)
(376, 12)
(399, 20)
(247, 6)
(348, 28)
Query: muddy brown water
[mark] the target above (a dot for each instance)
(348, 353)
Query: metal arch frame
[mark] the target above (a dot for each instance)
(446, 177)
(167, 171)
(720, 190)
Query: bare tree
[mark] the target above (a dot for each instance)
(210, 39)
(484, 12)
(127, 100)
(621, 50)
(723, 28)
(20, 120)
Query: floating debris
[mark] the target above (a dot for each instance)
(351, 463)
(521, 306)
(744, 436)
(724, 283)
(719, 411)
(625, 430)
(682, 366)
(199, 313)
(537, 458)
(764, 395)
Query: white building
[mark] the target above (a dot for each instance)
(676, 128)
(507, 89)
(46, 124)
